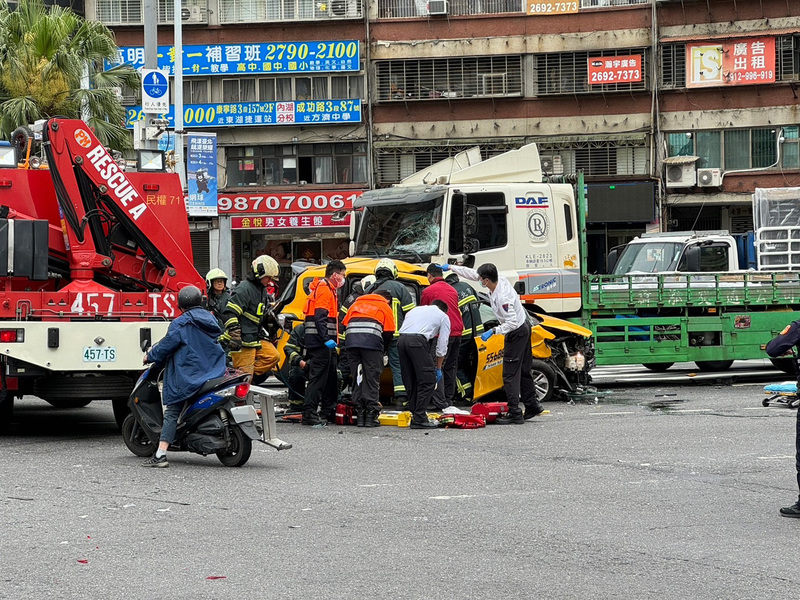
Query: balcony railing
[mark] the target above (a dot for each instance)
(238, 11)
(129, 12)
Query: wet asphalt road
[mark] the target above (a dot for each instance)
(660, 491)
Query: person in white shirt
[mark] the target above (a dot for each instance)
(514, 324)
(423, 328)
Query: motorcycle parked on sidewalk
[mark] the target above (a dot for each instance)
(215, 420)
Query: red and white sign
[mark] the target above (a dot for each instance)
(304, 220)
(736, 62)
(604, 70)
(287, 202)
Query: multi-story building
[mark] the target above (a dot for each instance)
(676, 110)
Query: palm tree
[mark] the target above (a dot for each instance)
(52, 64)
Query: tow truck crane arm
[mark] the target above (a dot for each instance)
(109, 229)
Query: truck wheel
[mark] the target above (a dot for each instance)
(135, 439)
(714, 365)
(121, 409)
(657, 367)
(67, 402)
(6, 410)
(783, 364)
(238, 453)
(544, 380)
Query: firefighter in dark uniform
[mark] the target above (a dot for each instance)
(402, 302)
(369, 329)
(473, 326)
(295, 351)
(322, 333)
(246, 314)
(217, 296)
(787, 339)
(356, 291)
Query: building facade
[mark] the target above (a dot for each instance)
(676, 110)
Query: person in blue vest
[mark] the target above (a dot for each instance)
(191, 355)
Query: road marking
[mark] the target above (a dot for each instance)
(630, 412)
(692, 410)
(781, 457)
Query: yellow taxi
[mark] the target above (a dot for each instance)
(563, 352)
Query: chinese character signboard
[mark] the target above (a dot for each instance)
(260, 114)
(288, 202)
(736, 62)
(551, 8)
(287, 221)
(201, 174)
(244, 59)
(615, 69)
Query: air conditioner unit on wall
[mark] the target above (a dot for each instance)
(552, 165)
(709, 177)
(437, 7)
(344, 9)
(681, 175)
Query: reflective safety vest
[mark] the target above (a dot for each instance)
(321, 313)
(369, 323)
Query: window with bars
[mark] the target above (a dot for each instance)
(736, 149)
(276, 89)
(237, 11)
(338, 163)
(597, 158)
(449, 78)
(129, 12)
(568, 72)
(396, 9)
(673, 62)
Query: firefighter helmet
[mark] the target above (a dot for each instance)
(189, 297)
(215, 274)
(265, 266)
(388, 265)
(367, 282)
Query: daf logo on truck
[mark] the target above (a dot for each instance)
(532, 202)
(116, 181)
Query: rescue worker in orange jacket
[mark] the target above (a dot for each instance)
(322, 309)
(369, 329)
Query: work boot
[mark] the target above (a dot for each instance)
(791, 511)
(510, 419)
(401, 401)
(533, 409)
(360, 418)
(310, 419)
(371, 419)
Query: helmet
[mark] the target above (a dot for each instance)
(265, 266)
(367, 281)
(450, 276)
(387, 264)
(215, 274)
(189, 297)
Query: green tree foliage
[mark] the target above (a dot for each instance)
(52, 64)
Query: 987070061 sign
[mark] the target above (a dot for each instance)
(287, 202)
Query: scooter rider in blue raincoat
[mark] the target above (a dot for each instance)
(192, 356)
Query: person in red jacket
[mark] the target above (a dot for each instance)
(439, 289)
(321, 314)
(369, 329)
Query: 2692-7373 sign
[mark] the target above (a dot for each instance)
(604, 70)
(552, 8)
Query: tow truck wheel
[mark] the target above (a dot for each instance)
(238, 453)
(657, 367)
(6, 410)
(714, 365)
(135, 439)
(544, 380)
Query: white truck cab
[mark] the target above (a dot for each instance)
(477, 211)
(677, 251)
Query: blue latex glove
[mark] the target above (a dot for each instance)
(330, 344)
(438, 375)
(445, 267)
(487, 334)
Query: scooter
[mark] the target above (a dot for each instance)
(216, 420)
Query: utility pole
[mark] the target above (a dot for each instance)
(150, 17)
(178, 81)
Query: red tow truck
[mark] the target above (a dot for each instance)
(91, 260)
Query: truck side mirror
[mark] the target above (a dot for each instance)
(611, 260)
(470, 220)
(691, 260)
(471, 246)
